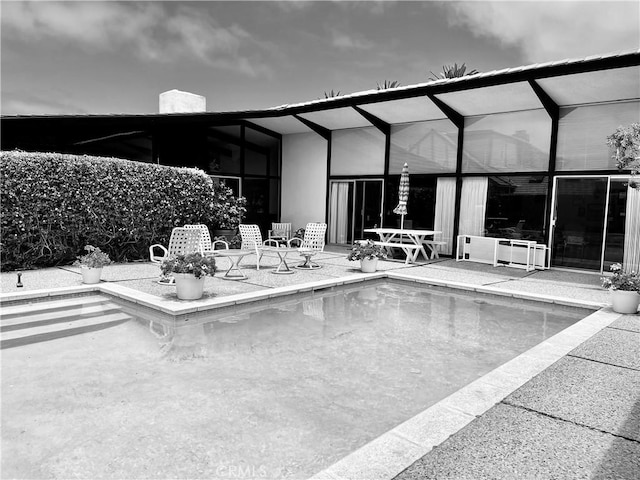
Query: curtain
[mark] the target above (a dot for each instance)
(632, 231)
(339, 204)
(445, 211)
(473, 204)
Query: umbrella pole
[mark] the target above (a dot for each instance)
(401, 222)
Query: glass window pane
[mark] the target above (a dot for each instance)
(616, 216)
(262, 153)
(507, 142)
(421, 205)
(255, 161)
(223, 150)
(357, 151)
(516, 207)
(231, 182)
(256, 191)
(583, 132)
(578, 232)
(427, 147)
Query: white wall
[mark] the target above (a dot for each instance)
(304, 179)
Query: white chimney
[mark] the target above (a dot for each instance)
(175, 101)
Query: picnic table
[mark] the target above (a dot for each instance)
(411, 242)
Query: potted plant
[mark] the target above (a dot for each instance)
(625, 289)
(91, 264)
(230, 212)
(189, 272)
(368, 253)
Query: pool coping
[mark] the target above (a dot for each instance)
(181, 307)
(392, 452)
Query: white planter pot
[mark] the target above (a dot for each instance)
(188, 287)
(91, 275)
(625, 302)
(368, 265)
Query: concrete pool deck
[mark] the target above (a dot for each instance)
(569, 408)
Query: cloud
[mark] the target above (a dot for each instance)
(21, 103)
(153, 31)
(348, 41)
(547, 31)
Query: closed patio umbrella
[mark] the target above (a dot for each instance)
(403, 194)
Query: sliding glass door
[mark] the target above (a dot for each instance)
(354, 205)
(589, 222)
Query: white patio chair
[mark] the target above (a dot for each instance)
(252, 240)
(205, 238)
(182, 241)
(311, 244)
(280, 232)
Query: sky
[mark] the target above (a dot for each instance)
(97, 57)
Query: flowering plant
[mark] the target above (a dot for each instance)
(95, 258)
(228, 210)
(625, 143)
(628, 282)
(194, 263)
(365, 249)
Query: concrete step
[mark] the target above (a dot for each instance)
(21, 310)
(26, 336)
(47, 316)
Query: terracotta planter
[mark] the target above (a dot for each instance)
(624, 301)
(91, 275)
(188, 287)
(368, 265)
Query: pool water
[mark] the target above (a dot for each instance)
(281, 391)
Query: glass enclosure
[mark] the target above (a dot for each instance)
(357, 151)
(427, 147)
(582, 133)
(507, 142)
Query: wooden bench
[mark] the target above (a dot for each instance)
(406, 247)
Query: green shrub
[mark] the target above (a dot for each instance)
(54, 204)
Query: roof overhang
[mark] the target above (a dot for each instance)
(596, 79)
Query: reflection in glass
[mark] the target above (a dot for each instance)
(580, 207)
(357, 151)
(232, 182)
(516, 207)
(262, 153)
(427, 147)
(582, 134)
(420, 207)
(507, 142)
(256, 191)
(616, 216)
(223, 150)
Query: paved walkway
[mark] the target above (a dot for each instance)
(579, 418)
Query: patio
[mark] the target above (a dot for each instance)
(570, 409)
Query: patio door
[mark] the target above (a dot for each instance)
(354, 205)
(588, 222)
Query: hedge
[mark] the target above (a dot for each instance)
(54, 204)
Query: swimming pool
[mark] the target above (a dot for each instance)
(279, 391)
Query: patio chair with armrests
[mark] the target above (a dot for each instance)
(310, 244)
(252, 240)
(205, 238)
(280, 232)
(182, 242)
